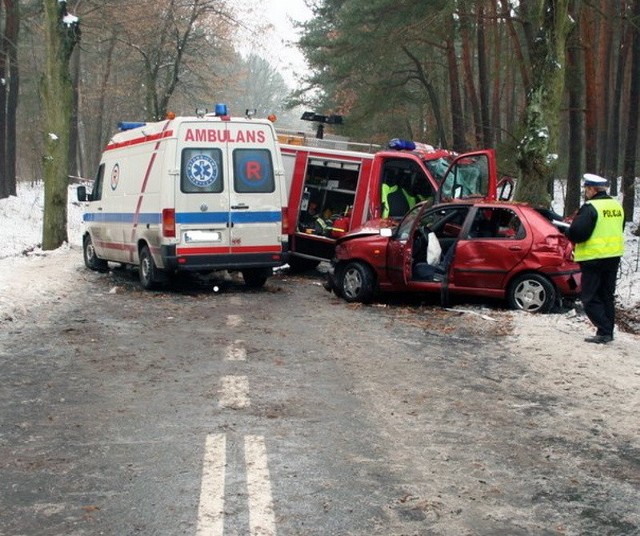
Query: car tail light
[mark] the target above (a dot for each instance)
(168, 223)
(285, 220)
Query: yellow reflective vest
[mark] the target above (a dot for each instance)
(607, 239)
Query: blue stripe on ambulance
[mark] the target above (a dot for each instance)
(188, 217)
(123, 217)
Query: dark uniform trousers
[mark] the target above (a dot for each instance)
(598, 292)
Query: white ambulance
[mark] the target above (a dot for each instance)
(198, 194)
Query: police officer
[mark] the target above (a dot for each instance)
(598, 234)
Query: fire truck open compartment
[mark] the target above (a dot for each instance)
(329, 193)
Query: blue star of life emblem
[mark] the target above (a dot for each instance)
(202, 170)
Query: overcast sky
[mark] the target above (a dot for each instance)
(276, 45)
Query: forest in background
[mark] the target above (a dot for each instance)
(468, 74)
(551, 84)
(134, 61)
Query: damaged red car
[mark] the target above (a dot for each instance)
(501, 250)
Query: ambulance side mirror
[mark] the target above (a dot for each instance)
(82, 194)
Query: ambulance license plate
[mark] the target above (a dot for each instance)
(190, 237)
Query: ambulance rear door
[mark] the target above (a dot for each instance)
(227, 198)
(201, 191)
(256, 187)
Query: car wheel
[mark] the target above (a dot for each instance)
(148, 272)
(356, 282)
(255, 278)
(91, 260)
(533, 293)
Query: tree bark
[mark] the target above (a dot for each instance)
(457, 116)
(629, 173)
(575, 87)
(60, 40)
(537, 150)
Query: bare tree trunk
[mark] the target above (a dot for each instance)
(74, 160)
(629, 172)
(537, 151)
(60, 38)
(4, 186)
(12, 31)
(612, 159)
(469, 83)
(457, 116)
(483, 80)
(496, 118)
(591, 119)
(575, 86)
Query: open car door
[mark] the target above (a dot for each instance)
(470, 175)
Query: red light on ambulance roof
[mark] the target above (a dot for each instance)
(171, 115)
(272, 118)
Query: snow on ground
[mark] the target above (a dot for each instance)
(30, 277)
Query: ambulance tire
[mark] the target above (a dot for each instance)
(91, 260)
(356, 282)
(149, 274)
(256, 277)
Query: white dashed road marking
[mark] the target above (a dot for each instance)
(234, 320)
(261, 518)
(212, 489)
(234, 392)
(236, 351)
(211, 509)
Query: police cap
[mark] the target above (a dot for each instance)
(594, 180)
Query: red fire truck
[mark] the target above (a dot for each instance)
(335, 187)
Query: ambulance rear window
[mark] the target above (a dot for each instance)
(201, 171)
(253, 171)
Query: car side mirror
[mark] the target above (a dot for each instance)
(457, 192)
(505, 189)
(81, 192)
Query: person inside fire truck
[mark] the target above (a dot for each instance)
(396, 198)
(311, 221)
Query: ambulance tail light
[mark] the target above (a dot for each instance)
(285, 221)
(168, 223)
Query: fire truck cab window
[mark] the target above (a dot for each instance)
(403, 185)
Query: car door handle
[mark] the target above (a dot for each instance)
(515, 248)
(240, 207)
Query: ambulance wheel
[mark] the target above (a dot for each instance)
(256, 278)
(91, 260)
(148, 272)
(356, 282)
(533, 293)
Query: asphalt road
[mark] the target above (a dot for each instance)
(287, 411)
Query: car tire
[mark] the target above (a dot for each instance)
(91, 260)
(256, 278)
(533, 293)
(148, 272)
(356, 282)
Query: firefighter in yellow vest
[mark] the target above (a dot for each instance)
(598, 234)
